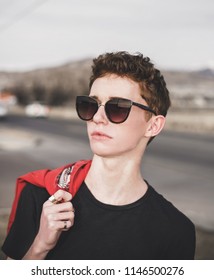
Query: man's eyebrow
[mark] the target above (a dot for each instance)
(94, 97)
(97, 98)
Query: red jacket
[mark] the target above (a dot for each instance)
(49, 179)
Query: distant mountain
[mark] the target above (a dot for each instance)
(207, 72)
(72, 78)
(72, 74)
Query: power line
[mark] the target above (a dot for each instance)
(22, 14)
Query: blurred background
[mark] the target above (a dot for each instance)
(46, 51)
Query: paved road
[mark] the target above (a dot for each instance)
(180, 166)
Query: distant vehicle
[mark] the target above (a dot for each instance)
(3, 111)
(37, 110)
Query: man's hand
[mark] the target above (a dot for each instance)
(55, 218)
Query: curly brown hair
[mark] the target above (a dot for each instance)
(139, 69)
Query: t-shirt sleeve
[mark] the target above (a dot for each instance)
(184, 242)
(26, 223)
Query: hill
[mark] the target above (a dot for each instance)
(59, 85)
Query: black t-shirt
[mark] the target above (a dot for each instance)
(150, 228)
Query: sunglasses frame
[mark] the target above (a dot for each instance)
(132, 103)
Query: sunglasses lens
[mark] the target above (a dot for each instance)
(118, 109)
(86, 107)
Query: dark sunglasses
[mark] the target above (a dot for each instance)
(117, 109)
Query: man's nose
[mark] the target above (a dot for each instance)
(100, 115)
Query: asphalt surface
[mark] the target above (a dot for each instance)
(179, 165)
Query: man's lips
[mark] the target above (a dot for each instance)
(100, 135)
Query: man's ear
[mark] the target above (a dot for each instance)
(155, 125)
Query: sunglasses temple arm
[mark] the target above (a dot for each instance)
(144, 107)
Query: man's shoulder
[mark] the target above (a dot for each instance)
(31, 190)
(168, 211)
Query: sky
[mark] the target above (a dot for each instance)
(175, 34)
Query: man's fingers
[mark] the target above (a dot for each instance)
(60, 196)
(62, 207)
(61, 216)
(66, 225)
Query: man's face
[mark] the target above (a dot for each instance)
(108, 139)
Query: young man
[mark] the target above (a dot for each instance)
(117, 215)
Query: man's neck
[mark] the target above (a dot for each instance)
(115, 181)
